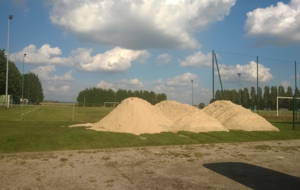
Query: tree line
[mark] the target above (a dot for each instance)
(32, 85)
(268, 99)
(97, 96)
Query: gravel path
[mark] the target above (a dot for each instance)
(255, 165)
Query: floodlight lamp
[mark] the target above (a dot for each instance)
(24, 54)
(192, 81)
(239, 74)
(10, 17)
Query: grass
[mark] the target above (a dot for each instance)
(46, 135)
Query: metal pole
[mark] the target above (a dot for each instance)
(22, 87)
(6, 86)
(219, 77)
(213, 78)
(192, 92)
(257, 84)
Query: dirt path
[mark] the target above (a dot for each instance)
(258, 165)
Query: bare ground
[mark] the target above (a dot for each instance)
(255, 165)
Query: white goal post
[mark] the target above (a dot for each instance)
(110, 103)
(283, 98)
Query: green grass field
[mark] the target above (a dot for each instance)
(46, 129)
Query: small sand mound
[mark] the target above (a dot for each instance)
(189, 118)
(135, 116)
(236, 117)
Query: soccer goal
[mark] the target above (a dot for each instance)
(284, 98)
(113, 104)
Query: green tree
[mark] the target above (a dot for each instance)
(273, 97)
(14, 78)
(33, 90)
(253, 97)
(267, 97)
(281, 93)
(289, 102)
(260, 99)
(234, 96)
(218, 95)
(201, 105)
(246, 98)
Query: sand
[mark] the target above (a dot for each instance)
(235, 117)
(189, 118)
(135, 116)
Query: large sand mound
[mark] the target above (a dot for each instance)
(135, 116)
(189, 118)
(236, 117)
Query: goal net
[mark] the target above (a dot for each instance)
(278, 97)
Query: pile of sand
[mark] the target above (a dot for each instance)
(135, 116)
(189, 118)
(236, 117)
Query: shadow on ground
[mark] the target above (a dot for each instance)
(255, 177)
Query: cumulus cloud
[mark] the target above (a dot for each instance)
(285, 84)
(248, 72)
(159, 81)
(198, 59)
(53, 83)
(178, 88)
(135, 24)
(130, 84)
(114, 60)
(163, 59)
(275, 25)
(46, 55)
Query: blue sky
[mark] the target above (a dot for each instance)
(152, 45)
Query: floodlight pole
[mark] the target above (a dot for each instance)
(239, 74)
(192, 92)
(22, 86)
(6, 86)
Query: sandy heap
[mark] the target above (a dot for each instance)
(236, 117)
(135, 116)
(189, 118)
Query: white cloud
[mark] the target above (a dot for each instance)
(275, 25)
(114, 60)
(179, 88)
(248, 72)
(163, 59)
(159, 81)
(198, 59)
(106, 85)
(121, 84)
(53, 83)
(206, 93)
(46, 55)
(136, 24)
(285, 84)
